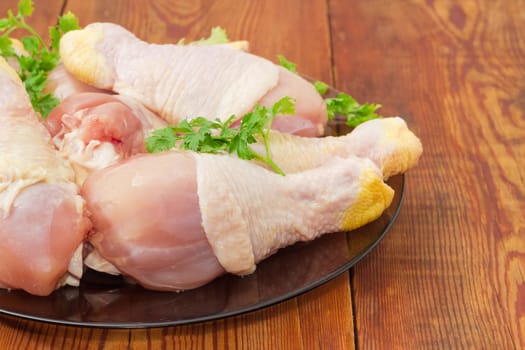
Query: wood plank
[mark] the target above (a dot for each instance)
(451, 272)
(45, 15)
(320, 319)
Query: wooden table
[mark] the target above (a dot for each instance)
(451, 272)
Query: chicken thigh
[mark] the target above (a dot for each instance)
(95, 130)
(42, 217)
(179, 82)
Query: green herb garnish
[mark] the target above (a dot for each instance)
(213, 136)
(287, 64)
(39, 59)
(355, 113)
(217, 36)
(342, 104)
(321, 87)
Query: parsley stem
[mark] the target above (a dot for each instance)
(274, 166)
(268, 161)
(20, 23)
(32, 31)
(9, 31)
(266, 144)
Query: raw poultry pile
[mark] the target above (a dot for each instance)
(159, 163)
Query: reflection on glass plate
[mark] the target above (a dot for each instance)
(107, 301)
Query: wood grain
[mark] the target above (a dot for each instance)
(450, 274)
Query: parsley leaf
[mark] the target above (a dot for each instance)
(25, 8)
(217, 36)
(46, 103)
(321, 87)
(355, 113)
(287, 64)
(285, 105)
(342, 104)
(66, 23)
(4, 23)
(39, 59)
(161, 140)
(6, 47)
(213, 136)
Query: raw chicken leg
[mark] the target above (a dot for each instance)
(177, 220)
(387, 142)
(95, 130)
(179, 82)
(42, 221)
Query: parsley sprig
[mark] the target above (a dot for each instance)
(292, 67)
(342, 104)
(39, 59)
(355, 112)
(321, 87)
(214, 136)
(217, 36)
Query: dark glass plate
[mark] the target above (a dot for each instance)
(107, 301)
